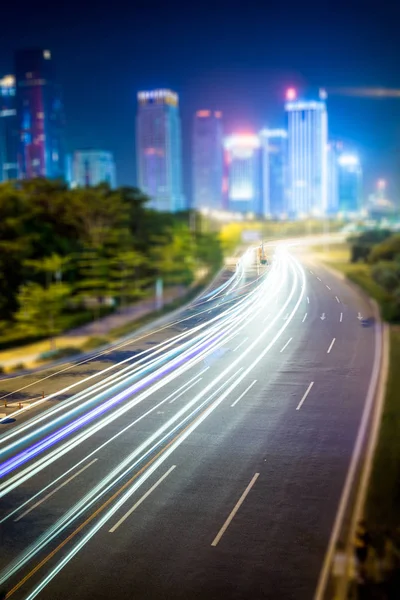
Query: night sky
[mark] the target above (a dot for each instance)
(235, 56)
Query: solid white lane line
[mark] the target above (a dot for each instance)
(185, 390)
(234, 511)
(341, 317)
(241, 344)
(337, 300)
(328, 287)
(305, 395)
(304, 318)
(319, 278)
(245, 392)
(54, 491)
(330, 347)
(287, 344)
(308, 300)
(142, 499)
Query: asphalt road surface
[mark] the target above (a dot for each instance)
(204, 460)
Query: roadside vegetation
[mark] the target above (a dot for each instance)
(71, 256)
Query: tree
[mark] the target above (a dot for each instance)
(387, 275)
(126, 282)
(387, 250)
(172, 256)
(41, 308)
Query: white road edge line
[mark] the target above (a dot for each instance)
(304, 318)
(287, 344)
(241, 344)
(54, 491)
(305, 396)
(341, 317)
(245, 392)
(337, 300)
(142, 499)
(331, 346)
(234, 511)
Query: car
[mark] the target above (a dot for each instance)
(367, 322)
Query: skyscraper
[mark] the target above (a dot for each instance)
(91, 167)
(350, 184)
(274, 172)
(8, 129)
(207, 159)
(333, 151)
(307, 157)
(244, 173)
(40, 116)
(158, 149)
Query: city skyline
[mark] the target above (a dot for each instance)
(246, 81)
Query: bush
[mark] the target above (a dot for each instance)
(59, 353)
(387, 275)
(95, 342)
(17, 367)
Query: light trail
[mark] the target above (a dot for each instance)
(175, 444)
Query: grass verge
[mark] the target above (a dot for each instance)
(383, 498)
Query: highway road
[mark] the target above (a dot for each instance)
(205, 460)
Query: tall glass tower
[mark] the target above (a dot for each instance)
(242, 154)
(350, 184)
(8, 130)
(158, 149)
(307, 157)
(274, 172)
(91, 167)
(40, 116)
(207, 160)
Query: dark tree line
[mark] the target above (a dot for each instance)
(62, 250)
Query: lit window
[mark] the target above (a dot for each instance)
(46, 54)
(40, 115)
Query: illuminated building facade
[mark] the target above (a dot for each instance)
(307, 157)
(244, 173)
(349, 184)
(207, 160)
(158, 149)
(91, 167)
(333, 153)
(8, 129)
(274, 172)
(40, 116)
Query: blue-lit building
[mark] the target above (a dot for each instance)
(158, 149)
(349, 184)
(333, 152)
(92, 167)
(307, 157)
(274, 172)
(243, 161)
(8, 130)
(207, 160)
(40, 116)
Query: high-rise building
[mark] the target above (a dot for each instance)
(8, 130)
(91, 167)
(307, 157)
(244, 173)
(333, 152)
(158, 149)
(40, 116)
(207, 160)
(349, 184)
(274, 172)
